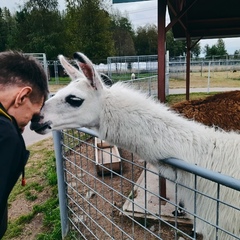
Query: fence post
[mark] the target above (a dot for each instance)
(61, 183)
(55, 64)
(167, 73)
(209, 75)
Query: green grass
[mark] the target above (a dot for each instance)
(49, 208)
(127, 76)
(32, 190)
(61, 80)
(51, 221)
(174, 98)
(30, 196)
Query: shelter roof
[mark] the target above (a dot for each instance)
(204, 19)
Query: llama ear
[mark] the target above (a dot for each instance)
(89, 70)
(73, 72)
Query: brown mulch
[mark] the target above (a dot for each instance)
(221, 110)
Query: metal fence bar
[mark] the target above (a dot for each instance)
(205, 173)
(61, 183)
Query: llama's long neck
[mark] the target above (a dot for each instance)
(149, 129)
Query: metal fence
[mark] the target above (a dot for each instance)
(41, 57)
(147, 84)
(109, 193)
(121, 68)
(226, 67)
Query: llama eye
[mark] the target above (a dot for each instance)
(74, 101)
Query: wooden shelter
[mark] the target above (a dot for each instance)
(194, 20)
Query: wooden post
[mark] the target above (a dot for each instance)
(161, 49)
(188, 66)
(162, 4)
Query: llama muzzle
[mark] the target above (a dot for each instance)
(40, 128)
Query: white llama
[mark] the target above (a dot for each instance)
(129, 119)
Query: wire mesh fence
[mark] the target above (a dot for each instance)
(121, 68)
(110, 193)
(147, 84)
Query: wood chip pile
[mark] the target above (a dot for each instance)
(221, 110)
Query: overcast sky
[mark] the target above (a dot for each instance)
(140, 14)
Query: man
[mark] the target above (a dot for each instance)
(23, 90)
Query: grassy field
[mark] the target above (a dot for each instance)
(217, 79)
(33, 209)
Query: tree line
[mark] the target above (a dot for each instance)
(89, 26)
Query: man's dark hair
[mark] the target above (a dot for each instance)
(19, 69)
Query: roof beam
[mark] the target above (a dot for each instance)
(214, 20)
(179, 15)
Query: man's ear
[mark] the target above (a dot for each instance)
(22, 95)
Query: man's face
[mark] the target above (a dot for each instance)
(17, 102)
(25, 112)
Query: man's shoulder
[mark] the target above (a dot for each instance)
(7, 128)
(5, 121)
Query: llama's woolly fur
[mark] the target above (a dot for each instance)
(153, 131)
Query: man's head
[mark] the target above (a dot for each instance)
(23, 86)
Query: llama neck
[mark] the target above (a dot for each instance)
(148, 128)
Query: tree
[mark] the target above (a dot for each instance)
(178, 47)
(217, 50)
(146, 40)
(175, 48)
(196, 50)
(3, 30)
(40, 28)
(88, 27)
(237, 54)
(221, 50)
(11, 29)
(123, 34)
(72, 26)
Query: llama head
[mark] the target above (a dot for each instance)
(77, 104)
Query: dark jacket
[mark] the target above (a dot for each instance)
(13, 157)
